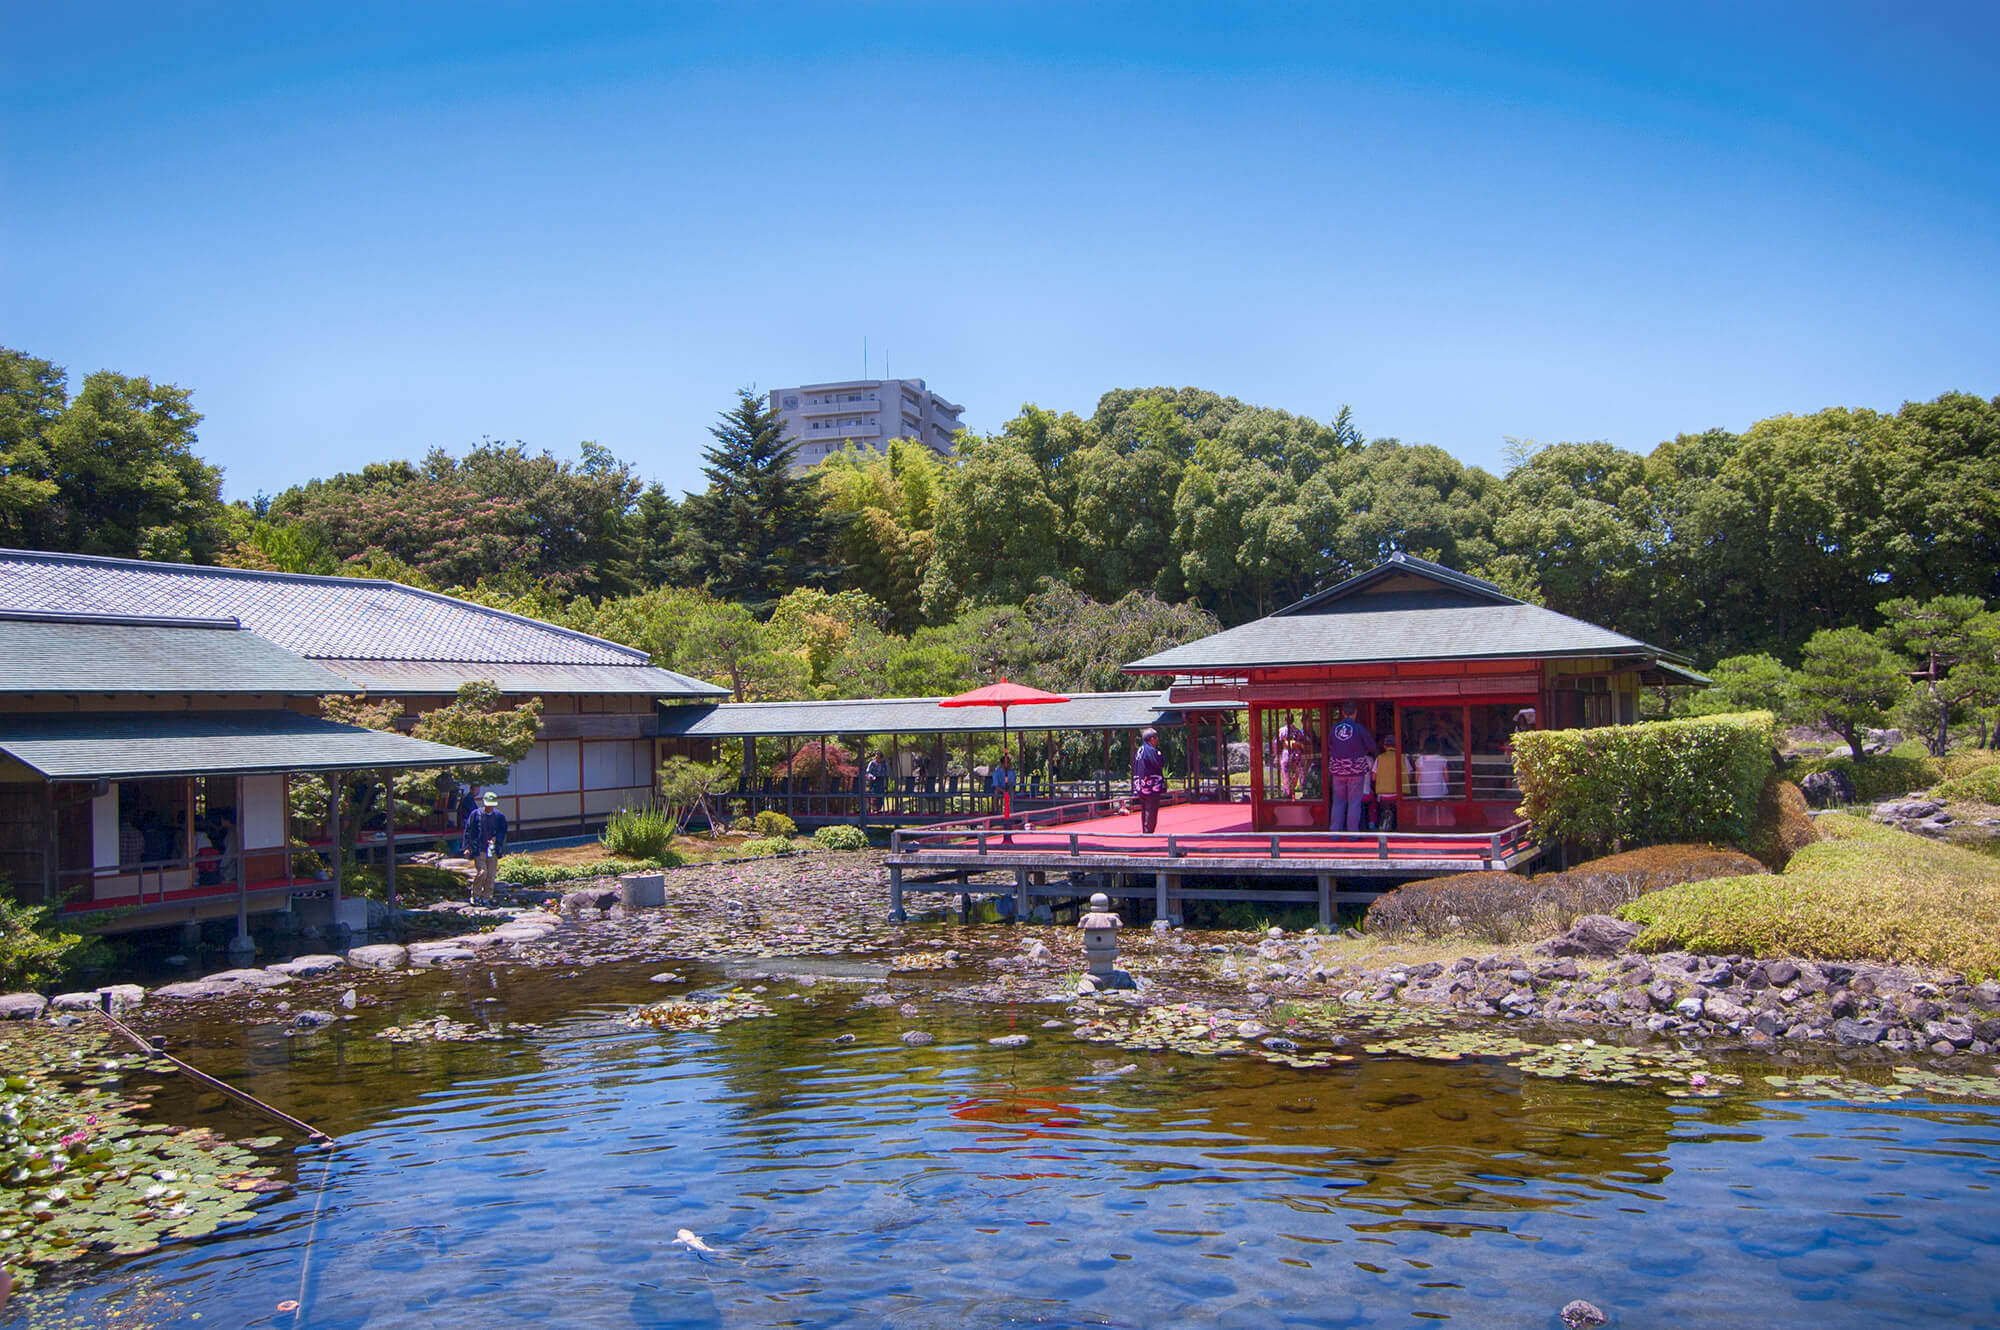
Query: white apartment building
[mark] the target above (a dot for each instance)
(863, 413)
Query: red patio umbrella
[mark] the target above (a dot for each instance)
(1003, 695)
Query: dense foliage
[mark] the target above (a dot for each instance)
(1628, 786)
(1060, 545)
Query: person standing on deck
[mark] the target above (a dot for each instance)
(485, 842)
(1149, 780)
(877, 777)
(1350, 750)
(1001, 782)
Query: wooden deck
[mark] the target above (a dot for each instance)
(1100, 841)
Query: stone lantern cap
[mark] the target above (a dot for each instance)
(1100, 915)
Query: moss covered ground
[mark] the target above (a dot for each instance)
(1863, 892)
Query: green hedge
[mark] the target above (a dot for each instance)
(1982, 786)
(764, 845)
(525, 872)
(1654, 784)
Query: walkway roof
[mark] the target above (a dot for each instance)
(104, 745)
(912, 715)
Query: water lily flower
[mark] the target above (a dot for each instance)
(181, 1210)
(156, 1191)
(166, 1175)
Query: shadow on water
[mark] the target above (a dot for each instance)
(543, 1179)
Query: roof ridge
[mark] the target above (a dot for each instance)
(121, 620)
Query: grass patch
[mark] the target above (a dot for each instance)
(415, 884)
(1864, 892)
(1980, 785)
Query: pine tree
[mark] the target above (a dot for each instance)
(758, 530)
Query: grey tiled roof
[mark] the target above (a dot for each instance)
(444, 677)
(347, 618)
(62, 654)
(131, 745)
(912, 715)
(1449, 632)
(1455, 618)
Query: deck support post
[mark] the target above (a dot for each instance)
(964, 907)
(1326, 900)
(241, 943)
(896, 914)
(389, 826)
(333, 821)
(1021, 895)
(1160, 890)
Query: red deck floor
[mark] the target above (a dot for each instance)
(1215, 830)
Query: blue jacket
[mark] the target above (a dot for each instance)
(486, 824)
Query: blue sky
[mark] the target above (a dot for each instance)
(363, 230)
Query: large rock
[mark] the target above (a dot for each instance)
(1827, 789)
(198, 990)
(22, 1006)
(602, 896)
(250, 978)
(379, 956)
(305, 967)
(1594, 935)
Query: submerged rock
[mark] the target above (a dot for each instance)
(918, 1038)
(1578, 1314)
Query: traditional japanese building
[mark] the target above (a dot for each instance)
(1444, 668)
(598, 746)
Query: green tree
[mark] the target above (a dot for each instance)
(1955, 642)
(657, 556)
(33, 393)
(1744, 683)
(1848, 680)
(686, 784)
(109, 471)
(998, 531)
(724, 641)
(886, 506)
(758, 530)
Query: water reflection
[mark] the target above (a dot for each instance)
(542, 1181)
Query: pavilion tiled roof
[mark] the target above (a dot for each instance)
(1449, 616)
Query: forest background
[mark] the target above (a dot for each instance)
(1060, 546)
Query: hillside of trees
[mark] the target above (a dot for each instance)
(1059, 545)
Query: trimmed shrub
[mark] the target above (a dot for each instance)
(416, 884)
(1631, 785)
(771, 822)
(1981, 786)
(841, 838)
(1783, 826)
(526, 872)
(744, 823)
(1492, 906)
(1504, 907)
(1863, 892)
(1883, 776)
(637, 833)
(768, 845)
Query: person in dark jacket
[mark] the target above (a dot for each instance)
(1149, 780)
(486, 841)
(468, 804)
(1350, 769)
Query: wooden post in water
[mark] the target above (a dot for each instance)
(1326, 900)
(896, 914)
(1021, 895)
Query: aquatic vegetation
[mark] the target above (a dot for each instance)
(1905, 1083)
(82, 1171)
(1675, 1071)
(444, 1030)
(700, 1012)
(924, 960)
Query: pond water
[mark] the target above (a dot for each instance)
(541, 1180)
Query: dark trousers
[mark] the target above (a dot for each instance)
(1149, 813)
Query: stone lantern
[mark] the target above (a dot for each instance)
(1100, 940)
